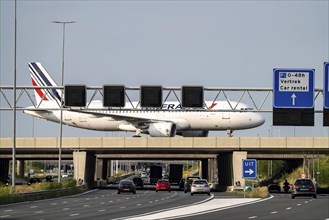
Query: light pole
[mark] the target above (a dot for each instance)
(61, 118)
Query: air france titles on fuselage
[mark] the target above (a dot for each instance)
(294, 81)
(171, 106)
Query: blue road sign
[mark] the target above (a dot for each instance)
(293, 88)
(249, 168)
(326, 86)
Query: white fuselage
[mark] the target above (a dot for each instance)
(220, 117)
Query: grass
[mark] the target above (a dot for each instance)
(43, 190)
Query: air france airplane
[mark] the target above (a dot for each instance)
(169, 121)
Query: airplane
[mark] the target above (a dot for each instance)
(170, 120)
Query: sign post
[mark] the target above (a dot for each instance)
(249, 171)
(293, 101)
(326, 94)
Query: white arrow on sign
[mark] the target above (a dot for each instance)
(250, 171)
(293, 97)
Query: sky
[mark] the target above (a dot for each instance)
(222, 44)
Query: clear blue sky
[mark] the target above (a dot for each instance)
(171, 43)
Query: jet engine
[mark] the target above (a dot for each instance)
(162, 129)
(193, 133)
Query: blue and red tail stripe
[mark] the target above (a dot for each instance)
(40, 79)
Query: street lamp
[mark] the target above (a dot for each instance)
(61, 118)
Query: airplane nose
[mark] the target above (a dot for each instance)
(259, 119)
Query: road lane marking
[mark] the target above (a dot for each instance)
(274, 212)
(102, 210)
(53, 203)
(32, 207)
(299, 204)
(8, 210)
(38, 212)
(86, 205)
(251, 217)
(64, 202)
(66, 209)
(4, 216)
(74, 214)
(288, 208)
(138, 204)
(199, 208)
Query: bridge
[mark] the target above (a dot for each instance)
(220, 157)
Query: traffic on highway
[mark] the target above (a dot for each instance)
(149, 204)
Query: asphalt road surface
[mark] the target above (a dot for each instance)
(148, 204)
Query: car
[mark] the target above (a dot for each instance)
(138, 181)
(274, 187)
(34, 180)
(188, 182)
(303, 187)
(162, 185)
(144, 175)
(200, 186)
(126, 186)
(65, 175)
(165, 177)
(181, 184)
(49, 178)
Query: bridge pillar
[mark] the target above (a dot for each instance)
(204, 169)
(20, 168)
(84, 167)
(230, 168)
(102, 170)
(212, 170)
(4, 168)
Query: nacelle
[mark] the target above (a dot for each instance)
(162, 129)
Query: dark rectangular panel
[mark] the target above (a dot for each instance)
(151, 96)
(192, 96)
(325, 117)
(113, 96)
(293, 117)
(75, 95)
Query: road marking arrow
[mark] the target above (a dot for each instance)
(250, 171)
(293, 97)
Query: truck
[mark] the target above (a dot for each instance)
(155, 174)
(175, 173)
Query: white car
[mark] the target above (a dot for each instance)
(65, 175)
(200, 186)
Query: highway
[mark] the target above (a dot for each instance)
(147, 204)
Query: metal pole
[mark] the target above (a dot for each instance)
(13, 173)
(61, 116)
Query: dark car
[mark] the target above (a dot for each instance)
(181, 184)
(34, 180)
(303, 187)
(49, 178)
(274, 187)
(126, 186)
(188, 182)
(138, 181)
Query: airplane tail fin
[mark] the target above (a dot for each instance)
(40, 77)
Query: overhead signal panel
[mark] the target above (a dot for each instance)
(75, 95)
(113, 96)
(151, 96)
(192, 96)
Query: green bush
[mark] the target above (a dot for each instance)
(258, 192)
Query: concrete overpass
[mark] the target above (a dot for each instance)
(221, 157)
